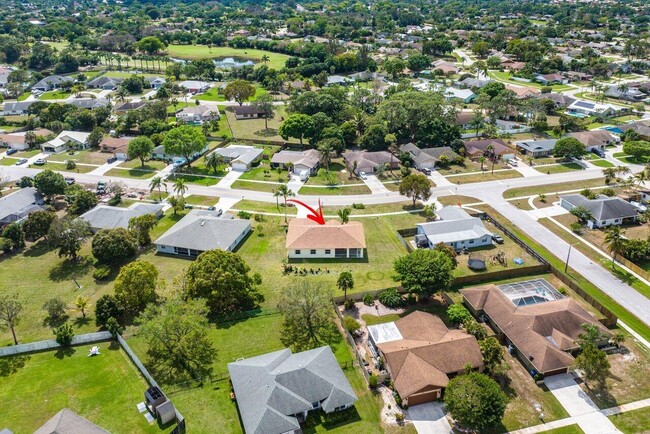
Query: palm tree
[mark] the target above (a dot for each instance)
(121, 94)
(344, 214)
(285, 192)
(490, 150)
(265, 58)
(156, 184)
(345, 282)
(610, 174)
(81, 303)
(482, 160)
(325, 151)
(179, 187)
(615, 242)
(214, 161)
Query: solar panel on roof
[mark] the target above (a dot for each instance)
(585, 104)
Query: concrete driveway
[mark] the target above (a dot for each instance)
(375, 185)
(429, 418)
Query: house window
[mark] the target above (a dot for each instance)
(328, 251)
(471, 241)
(340, 407)
(312, 252)
(297, 252)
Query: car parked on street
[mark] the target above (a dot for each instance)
(40, 162)
(21, 161)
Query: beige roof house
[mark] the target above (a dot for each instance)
(68, 422)
(543, 333)
(422, 354)
(308, 239)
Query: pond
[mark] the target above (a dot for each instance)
(232, 62)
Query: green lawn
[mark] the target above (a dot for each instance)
(255, 129)
(55, 94)
(130, 173)
(24, 96)
(553, 188)
(151, 165)
(629, 159)
(60, 166)
(201, 200)
(104, 389)
(571, 429)
(329, 191)
(601, 163)
(276, 61)
(485, 176)
(633, 422)
(211, 95)
(558, 168)
(87, 157)
(256, 186)
(506, 76)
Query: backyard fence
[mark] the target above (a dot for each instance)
(632, 266)
(51, 344)
(352, 343)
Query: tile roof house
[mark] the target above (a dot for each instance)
(118, 146)
(66, 140)
(275, 391)
(522, 92)
(561, 100)
(455, 228)
(369, 162)
(447, 68)
(110, 217)
(592, 108)
(302, 160)
(479, 148)
(543, 334)
(606, 211)
(422, 355)
(18, 140)
(240, 157)
(69, 422)
(307, 239)
(427, 158)
(198, 113)
(641, 127)
(200, 231)
(596, 139)
(536, 148)
(194, 86)
(18, 205)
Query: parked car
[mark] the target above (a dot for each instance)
(21, 161)
(426, 171)
(362, 175)
(513, 163)
(69, 180)
(40, 162)
(639, 206)
(101, 187)
(598, 152)
(112, 159)
(11, 151)
(219, 212)
(212, 208)
(497, 239)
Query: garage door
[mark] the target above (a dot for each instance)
(421, 398)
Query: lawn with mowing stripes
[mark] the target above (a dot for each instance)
(277, 60)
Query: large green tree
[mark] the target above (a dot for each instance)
(37, 224)
(592, 361)
(179, 347)
(239, 90)
(297, 125)
(83, 200)
(49, 183)
(140, 147)
(10, 309)
(416, 186)
(569, 147)
(223, 279)
(68, 235)
(424, 271)
(141, 226)
(475, 401)
(135, 285)
(113, 246)
(185, 141)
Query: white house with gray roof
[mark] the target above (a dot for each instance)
(276, 391)
(110, 217)
(16, 206)
(240, 157)
(455, 228)
(427, 158)
(200, 231)
(605, 211)
(536, 148)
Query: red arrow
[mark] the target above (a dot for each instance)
(316, 216)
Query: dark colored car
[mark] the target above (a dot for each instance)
(11, 151)
(598, 152)
(497, 239)
(69, 181)
(111, 160)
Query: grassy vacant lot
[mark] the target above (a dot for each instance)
(154, 165)
(57, 165)
(276, 61)
(254, 129)
(104, 389)
(553, 188)
(632, 422)
(55, 94)
(558, 168)
(485, 176)
(201, 200)
(86, 157)
(269, 186)
(131, 173)
(328, 191)
(469, 166)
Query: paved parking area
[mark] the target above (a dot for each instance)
(429, 418)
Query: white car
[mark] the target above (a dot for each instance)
(639, 206)
(513, 163)
(362, 175)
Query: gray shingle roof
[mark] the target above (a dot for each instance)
(109, 217)
(537, 145)
(17, 205)
(68, 422)
(203, 230)
(271, 388)
(245, 154)
(603, 207)
(455, 225)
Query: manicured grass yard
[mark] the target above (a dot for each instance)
(601, 163)
(506, 76)
(326, 191)
(8, 161)
(553, 188)
(55, 94)
(254, 129)
(130, 173)
(201, 200)
(632, 422)
(251, 205)
(56, 165)
(558, 168)
(148, 165)
(256, 186)
(27, 154)
(276, 61)
(571, 429)
(104, 389)
(211, 94)
(485, 176)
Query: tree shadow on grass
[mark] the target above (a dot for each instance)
(81, 321)
(55, 322)
(64, 352)
(330, 421)
(68, 270)
(38, 249)
(11, 365)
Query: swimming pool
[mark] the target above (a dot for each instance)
(577, 115)
(612, 129)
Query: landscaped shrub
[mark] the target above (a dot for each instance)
(351, 324)
(576, 228)
(358, 206)
(458, 314)
(6, 245)
(107, 307)
(609, 192)
(70, 165)
(399, 417)
(349, 304)
(55, 308)
(102, 272)
(588, 193)
(372, 381)
(368, 300)
(244, 215)
(390, 298)
(64, 334)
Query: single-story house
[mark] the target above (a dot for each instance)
(16, 206)
(69, 422)
(17, 140)
(471, 83)
(513, 66)
(540, 329)
(522, 92)
(66, 140)
(455, 228)
(302, 160)
(536, 148)
(511, 127)
(475, 149)
(579, 76)
(240, 157)
(89, 103)
(155, 82)
(158, 153)
(548, 79)
(16, 108)
(641, 127)
(194, 86)
(605, 211)
(337, 80)
(111, 217)
(447, 68)
(369, 162)
(596, 139)
(129, 106)
(421, 355)
(118, 146)
(105, 83)
(561, 100)
(4, 75)
(307, 239)
(247, 112)
(198, 113)
(276, 391)
(630, 94)
(592, 108)
(464, 95)
(427, 158)
(51, 83)
(200, 231)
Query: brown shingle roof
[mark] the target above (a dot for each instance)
(307, 234)
(542, 331)
(428, 352)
